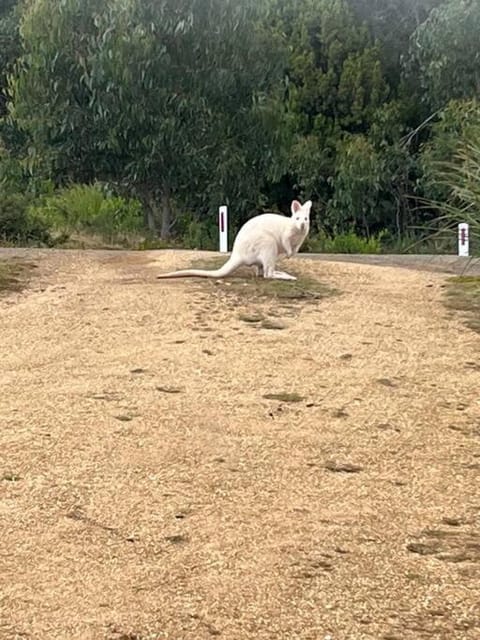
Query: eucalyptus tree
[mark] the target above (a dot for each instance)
(174, 100)
(9, 45)
(445, 53)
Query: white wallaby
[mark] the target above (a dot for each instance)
(260, 242)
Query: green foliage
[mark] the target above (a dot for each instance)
(9, 45)
(457, 123)
(335, 83)
(201, 235)
(461, 177)
(11, 172)
(357, 184)
(444, 52)
(361, 90)
(90, 209)
(391, 23)
(421, 241)
(187, 105)
(344, 243)
(140, 92)
(18, 225)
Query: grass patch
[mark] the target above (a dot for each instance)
(463, 294)
(284, 397)
(275, 325)
(342, 467)
(244, 283)
(168, 390)
(11, 477)
(124, 418)
(251, 318)
(13, 275)
(259, 320)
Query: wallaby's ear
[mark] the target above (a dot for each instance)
(296, 206)
(307, 205)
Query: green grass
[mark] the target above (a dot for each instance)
(244, 283)
(13, 275)
(463, 294)
(343, 243)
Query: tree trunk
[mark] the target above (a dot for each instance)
(365, 224)
(166, 216)
(149, 218)
(158, 213)
(153, 215)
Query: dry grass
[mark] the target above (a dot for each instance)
(150, 490)
(463, 294)
(244, 283)
(284, 397)
(14, 274)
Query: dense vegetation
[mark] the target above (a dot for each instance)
(131, 118)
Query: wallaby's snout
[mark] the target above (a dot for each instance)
(304, 225)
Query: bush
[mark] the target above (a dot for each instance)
(357, 187)
(459, 177)
(18, 225)
(343, 243)
(90, 209)
(201, 235)
(458, 124)
(12, 179)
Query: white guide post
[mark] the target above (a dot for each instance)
(463, 240)
(223, 228)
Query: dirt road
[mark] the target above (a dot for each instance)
(149, 490)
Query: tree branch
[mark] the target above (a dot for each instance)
(409, 137)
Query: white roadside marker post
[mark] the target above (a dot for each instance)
(463, 240)
(223, 228)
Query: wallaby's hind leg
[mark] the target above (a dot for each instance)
(268, 260)
(258, 270)
(269, 269)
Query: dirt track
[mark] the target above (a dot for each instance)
(149, 491)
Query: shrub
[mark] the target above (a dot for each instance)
(18, 225)
(458, 124)
(421, 241)
(201, 235)
(343, 243)
(459, 178)
(357, 187)
(90, 209)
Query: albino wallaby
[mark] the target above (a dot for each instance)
(259, 243)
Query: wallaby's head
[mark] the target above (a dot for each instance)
(301, 215)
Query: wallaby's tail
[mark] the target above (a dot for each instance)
(228, 268)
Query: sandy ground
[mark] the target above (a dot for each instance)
(440, 263)
(149, 490)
